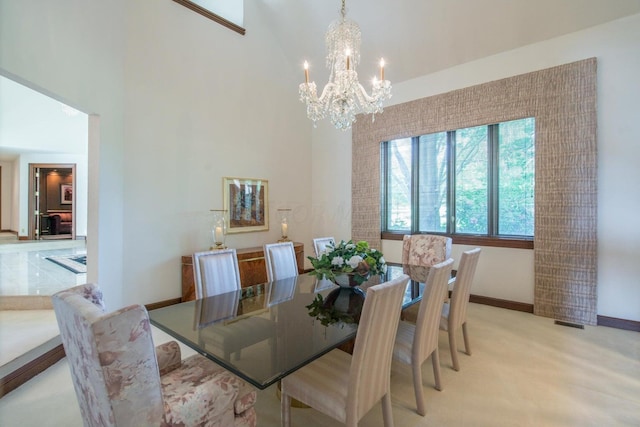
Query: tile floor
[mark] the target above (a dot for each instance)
(27, 279)
(24, 269)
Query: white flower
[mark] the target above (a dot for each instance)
(381, 260)
(350, 247)
(354, 261)
(384, 268)
(338, 261)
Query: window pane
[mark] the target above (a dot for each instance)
(399, 185)
(516, 172)
(471, 180)
(432, 182)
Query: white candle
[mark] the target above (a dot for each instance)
(218, 234)
(306, 72)
(284, 229)
(382, 69)
(348, 53)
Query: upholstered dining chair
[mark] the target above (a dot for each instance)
(280, 260)
(425, 249)
(343, 386)
(321, 243)
(422, 250)
(121, 379)
(215, 272)
(416, 342)
(454, 312)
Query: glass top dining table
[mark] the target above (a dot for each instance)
(264, 332)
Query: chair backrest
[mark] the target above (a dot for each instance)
(462, 288)
(425, 339)
(425, 249)
(111, 357)
(215, 272)
(321, 243)
(280, 260)
(370, 372)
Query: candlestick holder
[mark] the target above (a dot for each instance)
(218, 229)
(284, 224)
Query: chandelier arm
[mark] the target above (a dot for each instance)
(328, 92)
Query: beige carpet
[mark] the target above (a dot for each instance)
(524, 371)
(22, 330)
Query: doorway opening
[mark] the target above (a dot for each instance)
(52, 202)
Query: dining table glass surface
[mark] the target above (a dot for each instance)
(264, 332)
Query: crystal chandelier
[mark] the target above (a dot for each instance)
(343, 97)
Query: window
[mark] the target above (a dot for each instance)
(227, 13)
(475, 181)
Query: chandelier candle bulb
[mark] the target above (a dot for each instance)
(381, 69)
(348, 54)
(306, 72)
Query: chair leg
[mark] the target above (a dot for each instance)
(387, 413)
(454, 349)
(467, 347)
(417, 386)
(285, 409)
(435, 361)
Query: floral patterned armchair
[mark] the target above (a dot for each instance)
(122, 380)
(425, 249)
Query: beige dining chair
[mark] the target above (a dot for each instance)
(320, 244)
(215, 272)
(346, 387)
(425, 249)
(280, 260)
(416, 342)
(454, 312)
(122, 379)
(420, 251)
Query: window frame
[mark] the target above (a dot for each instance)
(491, 238)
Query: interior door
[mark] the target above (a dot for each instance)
(34, 229)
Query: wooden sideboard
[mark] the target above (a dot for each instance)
(251, 264)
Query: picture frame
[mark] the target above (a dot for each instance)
(246, 202)
(66, 194)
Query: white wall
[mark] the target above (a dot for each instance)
(182, 102)
(508, 274)
(178, 102)
(6, 180)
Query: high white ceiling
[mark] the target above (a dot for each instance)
(31, 122)
(418, 37)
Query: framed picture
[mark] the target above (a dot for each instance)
(246, 201)
(66, 194)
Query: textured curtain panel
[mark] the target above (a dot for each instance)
(563, 101)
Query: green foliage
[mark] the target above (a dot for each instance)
(328, 314)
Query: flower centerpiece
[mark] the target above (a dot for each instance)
(348, 263)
